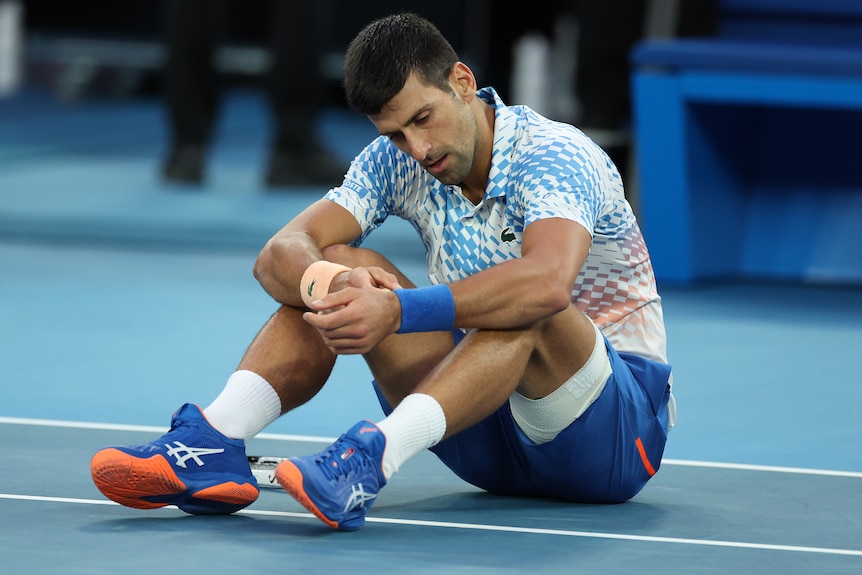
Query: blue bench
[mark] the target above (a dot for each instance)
(749, 144)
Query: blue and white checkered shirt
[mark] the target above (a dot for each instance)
(539, 169)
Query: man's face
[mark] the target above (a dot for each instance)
(437, 128)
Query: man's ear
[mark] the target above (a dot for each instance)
(463, 81)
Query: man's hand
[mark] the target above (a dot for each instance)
(355, 319)
(359, 311)
(364, 278)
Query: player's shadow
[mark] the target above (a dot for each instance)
(235, 527)
(483, 508)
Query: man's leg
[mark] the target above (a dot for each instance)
(481, 374)
(439, 391)
(191, 84)
(200, 465)
(483, 371)
(285, 366)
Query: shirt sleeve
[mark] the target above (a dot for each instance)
(364, 192)
(563, 182)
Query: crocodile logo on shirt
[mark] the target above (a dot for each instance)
(508, 235)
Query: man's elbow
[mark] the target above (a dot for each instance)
(559, 293)
(263, 263)
(559, 300)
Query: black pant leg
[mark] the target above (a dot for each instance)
(296, 87)
(192, 31)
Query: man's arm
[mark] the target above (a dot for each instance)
(511, 294)
(284, 258)
(533, 287)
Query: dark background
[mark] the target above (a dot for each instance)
(143, 22)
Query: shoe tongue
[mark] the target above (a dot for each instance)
(184, 414)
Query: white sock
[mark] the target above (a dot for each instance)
(246, 405)
(416, 424)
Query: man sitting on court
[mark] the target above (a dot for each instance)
(533, 365)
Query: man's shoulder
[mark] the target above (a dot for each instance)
(381, 149)
(381, 161)
(544, 143)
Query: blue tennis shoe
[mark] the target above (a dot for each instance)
(193, 466)
(340, 484)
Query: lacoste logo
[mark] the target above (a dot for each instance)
(183, 453)
(508, 235)
(311, 287)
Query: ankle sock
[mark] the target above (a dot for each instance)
(246, 405)
(417, 423)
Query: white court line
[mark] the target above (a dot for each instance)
(318, 439)
(499, 528)
(770, 468)
(145, 428)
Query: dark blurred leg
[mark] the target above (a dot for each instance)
(192, 30)
(298, 94)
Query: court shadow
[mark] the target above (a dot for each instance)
(235, 527)
(487, 509)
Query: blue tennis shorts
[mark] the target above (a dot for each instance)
(607, 455)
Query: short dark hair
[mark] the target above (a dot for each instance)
(384, 53)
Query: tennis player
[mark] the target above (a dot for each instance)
(533, 365)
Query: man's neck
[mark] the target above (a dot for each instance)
(474, 185)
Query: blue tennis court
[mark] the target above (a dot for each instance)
(122, 298)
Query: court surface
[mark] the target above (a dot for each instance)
(122, 298)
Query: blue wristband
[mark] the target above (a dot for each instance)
(430, 308)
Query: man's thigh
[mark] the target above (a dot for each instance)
(401, 361)
(605, 456)
(565, 343)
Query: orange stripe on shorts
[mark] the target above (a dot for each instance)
(650, 469)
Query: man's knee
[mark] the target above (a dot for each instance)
(363, 257)
(352, 256)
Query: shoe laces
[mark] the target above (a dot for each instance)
(342, 460)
